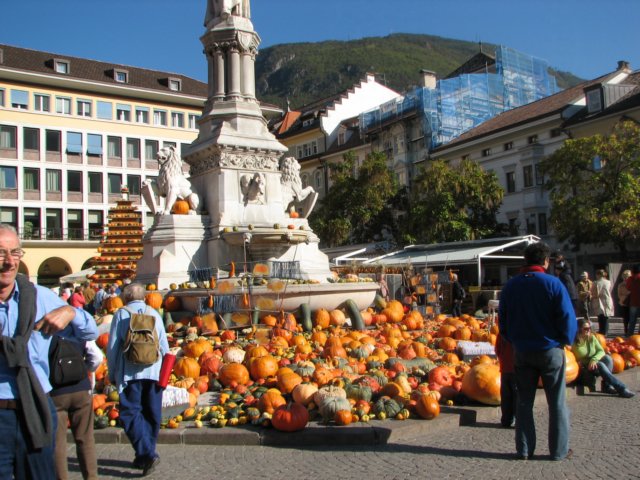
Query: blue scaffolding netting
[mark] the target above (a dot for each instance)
(461, 103)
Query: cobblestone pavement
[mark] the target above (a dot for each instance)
(605, 439)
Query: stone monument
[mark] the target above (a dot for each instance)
(243, 188)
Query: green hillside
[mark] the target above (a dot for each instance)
(306, 72)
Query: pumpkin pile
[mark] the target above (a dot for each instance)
(399, 365)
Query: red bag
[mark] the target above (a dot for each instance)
(168, 361)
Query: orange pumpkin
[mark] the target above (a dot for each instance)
(172, 303)
(427, 406)
(180, 207)
(287, 381)
(231, 373)
(112, 304)
(153, 299)
(482, 383)
(270, 400)
(263, 367)
(187, 367)
(322, 319)
(343, 417)
(290, 418)
(103, 340)
(618, 362)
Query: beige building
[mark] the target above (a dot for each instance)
(73, 132)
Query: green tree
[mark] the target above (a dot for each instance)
(356, 207)
(594, 188)
(453, 202)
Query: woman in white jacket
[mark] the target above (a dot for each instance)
(602, 301)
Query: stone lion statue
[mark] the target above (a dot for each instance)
(304, 199)
(171, 184)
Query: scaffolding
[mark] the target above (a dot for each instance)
(461, 103)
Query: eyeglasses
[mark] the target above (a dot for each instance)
(16, 253)
(586, 329)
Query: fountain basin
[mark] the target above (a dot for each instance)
(325, 295)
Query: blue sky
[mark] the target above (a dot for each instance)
(585, 37)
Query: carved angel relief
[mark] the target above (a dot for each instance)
(252, 187)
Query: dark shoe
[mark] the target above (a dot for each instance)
(608, 389)
(520, 456)
(138, 462)
(626, 393)
(150, 466)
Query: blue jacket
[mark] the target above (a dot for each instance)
(122, 371)
(536, 313)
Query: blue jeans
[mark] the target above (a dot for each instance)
(634, 312)
(550, 366)
(605, 366)
(17, 458)
(140, 415)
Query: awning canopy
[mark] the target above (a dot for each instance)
(77, 277)
(458, 253)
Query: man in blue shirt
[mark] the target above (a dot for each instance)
(140, 394)
(29, 316)
(538, 319)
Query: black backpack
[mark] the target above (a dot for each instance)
(66, 363)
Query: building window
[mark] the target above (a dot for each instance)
(31, 179)
(20, 99)
(105, 110)
(555, 132)
(511, 182)
(177, 119)
(121, 76)
(54, 184)
(31, 138)
(542, 223)
(52, 141)
(142, 115)
(532, 139)
(62, 66)
(133, 183)
(96, 223)
(63, 105)
(95, 182)
(539, 175)
(74, 143)
(193, 121)
(74, 181)
(133, 148)
(160, 117)
(123, 112)
(114, 183)
(2, 97)
(31, 223)
(84, 108)
(94, 144)
(8, 178)
(508, 146)
(150, 149)
(486, 152)
(74, 225)
(175, 84)
(169, 144)
(7, 137)
(9, 216)
(594, 101)
(527, 176)
(317, 177)
(114, 147)
(41, 103)
(54, 224)
(341, 138)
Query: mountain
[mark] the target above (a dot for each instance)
(306, 72)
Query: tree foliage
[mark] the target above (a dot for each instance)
(356, 208)
(594, 186)
(451, 203)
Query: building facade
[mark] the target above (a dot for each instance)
(72, 133)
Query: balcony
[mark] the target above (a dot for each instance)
(72, 234)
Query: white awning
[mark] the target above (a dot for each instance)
(77, 277)
(457, 253)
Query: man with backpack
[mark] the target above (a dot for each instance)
(137, 344)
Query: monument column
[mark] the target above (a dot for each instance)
(219, 74)
(248, 74)
(234, 72)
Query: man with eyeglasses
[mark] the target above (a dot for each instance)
(29, 316)
(538, 319)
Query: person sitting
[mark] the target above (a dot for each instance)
(595, 362)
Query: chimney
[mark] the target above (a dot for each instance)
(624, 65)
(428, 79)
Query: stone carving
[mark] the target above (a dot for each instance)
(241, 161)
(171, 184)
(252, 188)
(293, 194)
(223, 9)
